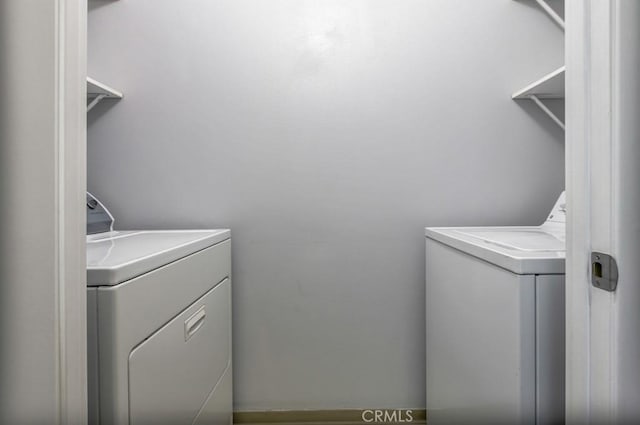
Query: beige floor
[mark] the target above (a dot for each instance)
(326, 417)
(339, 423)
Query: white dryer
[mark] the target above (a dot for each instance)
(159, 324)
(495, 323)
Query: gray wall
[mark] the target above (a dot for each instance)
(326, 135)
(42, 229)
(28, 376)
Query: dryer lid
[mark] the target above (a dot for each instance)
(115, 257)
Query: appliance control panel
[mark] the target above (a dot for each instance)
(99, 219)
(558, 213)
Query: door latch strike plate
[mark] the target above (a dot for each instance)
(604, 271)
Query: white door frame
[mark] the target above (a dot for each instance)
(578, 137)
(71, 51)
(42, 212)
(603, 171)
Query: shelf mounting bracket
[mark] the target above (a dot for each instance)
(552, 13)
(95, 101)
(546, 110)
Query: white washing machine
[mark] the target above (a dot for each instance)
(495, 323)
(159, 324)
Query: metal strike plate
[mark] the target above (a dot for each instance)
(604, 271)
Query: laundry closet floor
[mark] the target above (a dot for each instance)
(328, 417)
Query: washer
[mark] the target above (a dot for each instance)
(159, 324)
(495, 323)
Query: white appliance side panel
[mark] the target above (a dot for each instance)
(173, 372)
(480, 340)
(92, 357)
(550, 349)
(218, 409)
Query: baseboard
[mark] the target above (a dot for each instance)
(333, 417)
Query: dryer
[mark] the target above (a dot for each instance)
(159, 324)
(495, 323)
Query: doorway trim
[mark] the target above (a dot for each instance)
(70, 217)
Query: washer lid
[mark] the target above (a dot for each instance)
(115, 257)
(522, 250)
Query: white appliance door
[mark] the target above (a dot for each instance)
(173, 373)
(603, 179)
